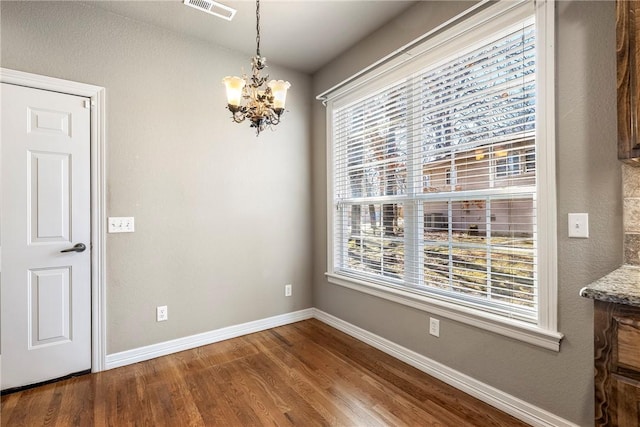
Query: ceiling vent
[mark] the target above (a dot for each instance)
(212, 8)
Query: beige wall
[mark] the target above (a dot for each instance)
(588, 180)
(222, 218)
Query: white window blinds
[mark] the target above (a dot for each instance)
(434, 178)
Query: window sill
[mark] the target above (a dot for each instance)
(510, 328)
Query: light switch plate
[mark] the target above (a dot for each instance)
(121, 224)
(579, 225)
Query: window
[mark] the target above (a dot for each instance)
(431, 201)
(508, 164)
(426, 182)
(530, 161)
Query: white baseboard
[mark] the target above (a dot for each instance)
(520, 409)
(135, 355)
(505, 402)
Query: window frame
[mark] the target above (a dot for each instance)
(504, 166)
(545, 333)
(527, 162)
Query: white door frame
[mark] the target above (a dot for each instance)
(98, 194)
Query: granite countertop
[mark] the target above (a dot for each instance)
(620, 286)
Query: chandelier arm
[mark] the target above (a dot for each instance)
(238, 116)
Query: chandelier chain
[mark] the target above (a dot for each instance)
(258, 28)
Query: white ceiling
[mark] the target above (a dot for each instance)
(303, 34)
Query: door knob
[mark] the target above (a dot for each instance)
(78, 247)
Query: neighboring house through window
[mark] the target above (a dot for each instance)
(508, 164)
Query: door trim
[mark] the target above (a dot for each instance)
(98, 194)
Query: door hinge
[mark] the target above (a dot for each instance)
(87, 104)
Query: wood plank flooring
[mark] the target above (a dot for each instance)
(303, 374)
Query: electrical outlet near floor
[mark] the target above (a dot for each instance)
(162, 313)
(287, 290)
(434, 327)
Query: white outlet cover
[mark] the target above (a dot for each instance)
(162, 313)
(434, 327)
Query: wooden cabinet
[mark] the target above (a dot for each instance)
(617, 364)
(628, 79)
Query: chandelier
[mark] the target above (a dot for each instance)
(253, 98)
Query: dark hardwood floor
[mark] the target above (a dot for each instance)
(303, 374)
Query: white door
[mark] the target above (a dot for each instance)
(45, 210)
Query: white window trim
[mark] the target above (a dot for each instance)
(545, 334)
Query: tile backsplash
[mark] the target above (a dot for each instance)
(631, 213)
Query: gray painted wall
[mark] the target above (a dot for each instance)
(216, 236)
(588, 180)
